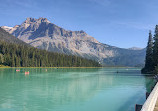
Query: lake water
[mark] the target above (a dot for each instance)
(93, 89)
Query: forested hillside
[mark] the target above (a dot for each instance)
(22, 56)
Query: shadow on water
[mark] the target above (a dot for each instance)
(140, 97)
(150, 82)
(128, 106)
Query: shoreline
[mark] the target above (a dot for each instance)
(50, 67)
(68, 67)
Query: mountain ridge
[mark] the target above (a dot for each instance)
(43, 34)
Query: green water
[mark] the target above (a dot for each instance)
(99, 89)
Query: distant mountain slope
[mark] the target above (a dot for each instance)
(127, 58)
(43, 34)
(135, 48)
(5, 36)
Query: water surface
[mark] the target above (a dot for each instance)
(51, 89)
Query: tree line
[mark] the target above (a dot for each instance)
(151, 60)
(16, 55)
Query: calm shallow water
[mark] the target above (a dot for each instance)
(99, 89)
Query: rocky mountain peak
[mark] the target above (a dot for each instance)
(81, 31)
(43, 19)
(30, 20)
(33, 23)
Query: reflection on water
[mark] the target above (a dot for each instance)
(72, 89)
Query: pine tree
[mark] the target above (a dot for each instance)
(155, 48)
(149, 54)
(17, 59)
(151, 62)
(1, 58)
(13, 61)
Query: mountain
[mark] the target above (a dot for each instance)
(43, 34)
(16, 53)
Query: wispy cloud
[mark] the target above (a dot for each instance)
(101, 2)
(136, 25)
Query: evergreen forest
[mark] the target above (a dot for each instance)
(18, 55)
(151, 60)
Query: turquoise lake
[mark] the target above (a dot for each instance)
(90, 89)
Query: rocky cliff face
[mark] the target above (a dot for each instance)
(43, 34)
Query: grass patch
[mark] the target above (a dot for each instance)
(3, 66)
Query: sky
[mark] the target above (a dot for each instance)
(121, 23)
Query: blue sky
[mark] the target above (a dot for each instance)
(122, 23)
